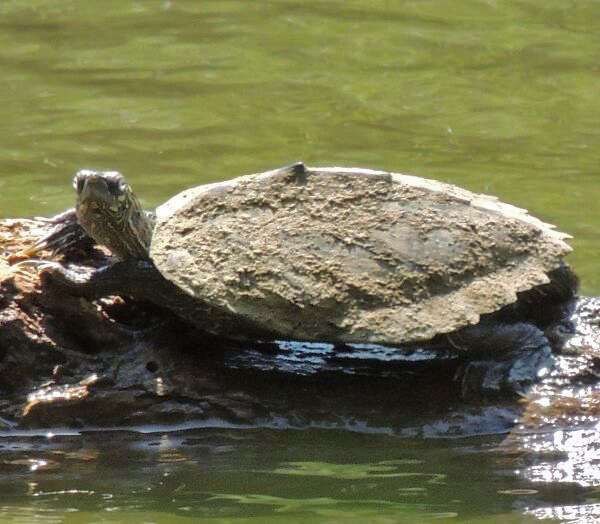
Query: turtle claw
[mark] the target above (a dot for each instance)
(66, 233)
(66, 278)
(41, 265)
(34, 249)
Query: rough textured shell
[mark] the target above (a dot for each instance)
(348, 254)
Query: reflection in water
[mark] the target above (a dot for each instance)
(339, 508)
(384, 469)
(580, 513)
(268, 474)
(580, 461)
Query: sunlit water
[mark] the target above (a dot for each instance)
(499, 97)
(260, 475)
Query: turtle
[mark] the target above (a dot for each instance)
(339, 255)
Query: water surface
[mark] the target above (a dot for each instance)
(234, 476)
(500, 97)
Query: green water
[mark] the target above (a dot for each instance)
(497, 96)
(242, 476)
(500, 97)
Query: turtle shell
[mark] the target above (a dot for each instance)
(351, 255)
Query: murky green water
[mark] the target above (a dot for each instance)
(262, 475)
(497, 96)
(500, 97)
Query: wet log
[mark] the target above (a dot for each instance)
(67, 361)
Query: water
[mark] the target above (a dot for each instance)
(497, 96)
(260, 475)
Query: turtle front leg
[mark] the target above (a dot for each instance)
(140, 280)
(66, 233)
(136, 278)
(502, 358)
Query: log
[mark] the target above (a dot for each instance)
(68, 361)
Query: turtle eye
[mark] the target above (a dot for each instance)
(122, 201)
(80, 178)
(123, 188)
(123, 193)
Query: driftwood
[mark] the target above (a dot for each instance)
(66, 361)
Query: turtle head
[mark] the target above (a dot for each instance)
(111, 214)
(101, 186)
